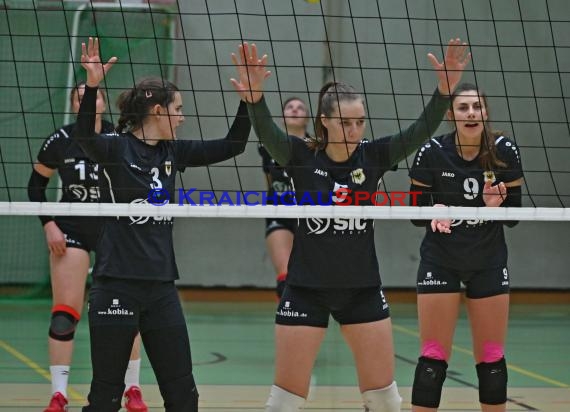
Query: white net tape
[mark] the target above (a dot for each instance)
(282, 211)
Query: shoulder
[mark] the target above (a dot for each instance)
(301, 143)
(113, 134)
(371, 146)
(507, 148)
(67, 129)
(504, 143)
(107, 128)
(178, 147)
(435, 144)
(433, 149)
(63, 132)
(439, 142)
(58, 137)
(112, 137)
(114, 141)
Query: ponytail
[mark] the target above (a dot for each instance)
(135, 104)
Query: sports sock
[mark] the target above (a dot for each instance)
(59, 378)
(132, 375)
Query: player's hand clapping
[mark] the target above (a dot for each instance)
(493, 196)
(251, 71)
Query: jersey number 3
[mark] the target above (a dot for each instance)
(156, 183)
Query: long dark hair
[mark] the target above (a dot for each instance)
(488, 158)
(135, 104)
(330, 96)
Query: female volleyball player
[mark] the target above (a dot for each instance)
(279, 232)
(133, 279)
(70, 239)
(333, 269)
(471, 166)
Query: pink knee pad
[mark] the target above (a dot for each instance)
(432, 349)
(492, 352)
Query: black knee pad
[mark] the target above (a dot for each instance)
(180, 395)
(493, 379)
(428, 382)
(104, 397)
(63, 323)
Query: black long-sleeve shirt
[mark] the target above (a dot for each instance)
(339, 253)
(142, 247)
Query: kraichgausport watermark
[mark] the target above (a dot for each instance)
(341, 197)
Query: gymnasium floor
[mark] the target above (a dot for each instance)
(232, 345)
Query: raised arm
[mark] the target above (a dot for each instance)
(84, 131)
(203, 153)
(449, 74)
(252, 73)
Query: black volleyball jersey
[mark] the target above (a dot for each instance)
(79, 175)
(279, 182)
(142, 247)
(472, 244)
(339, 252)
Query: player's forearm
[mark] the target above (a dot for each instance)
(239, 131)
(37, 192)
(408, 141)
(207, 152)
(514, 199)
(84, 131)
(422, 197)
(273, 138)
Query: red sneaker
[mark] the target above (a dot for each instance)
(58, 403)
(134, 401)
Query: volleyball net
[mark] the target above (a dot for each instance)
(520, 49)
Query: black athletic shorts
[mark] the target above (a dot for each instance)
(80, 232)
(301, 306)
(478, 284)
(148, 304)
(272, 224)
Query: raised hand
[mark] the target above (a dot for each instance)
(449, 71)
(251, 71)
(91, 62)
(493, 196)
